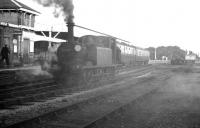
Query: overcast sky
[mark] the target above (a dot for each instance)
(143, 22)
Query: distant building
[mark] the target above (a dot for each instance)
(17, 31)
(190, 58)
(164, 58)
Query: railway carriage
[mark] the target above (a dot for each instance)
(142, 56)
(131, 55)
(127, 54)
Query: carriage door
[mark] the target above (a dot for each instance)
(25, 48)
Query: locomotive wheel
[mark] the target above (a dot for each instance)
(87, 77)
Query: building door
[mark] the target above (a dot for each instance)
(25, 48)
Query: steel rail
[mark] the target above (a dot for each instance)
(55, 112)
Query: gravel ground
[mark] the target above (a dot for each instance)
(9, 117)
(175, 105)
(95, 109)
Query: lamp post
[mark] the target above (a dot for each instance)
(155, 54)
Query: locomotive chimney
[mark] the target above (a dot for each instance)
(70, 25)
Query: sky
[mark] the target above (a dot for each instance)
(145, 23)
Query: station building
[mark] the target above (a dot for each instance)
(17, 31)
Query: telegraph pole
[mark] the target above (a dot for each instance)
(155, 54)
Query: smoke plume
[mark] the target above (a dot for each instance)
(61, 7)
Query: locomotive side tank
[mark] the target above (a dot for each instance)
(100, 50)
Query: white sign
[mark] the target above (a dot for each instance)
(4, 23)
(14, 41)
(15, 48)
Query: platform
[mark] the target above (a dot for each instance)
(28, 67)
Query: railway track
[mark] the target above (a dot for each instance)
(129, 71)
(94, 121)
(42, 120)
(124, 69)
(91, 121)
(14, 94)
(116, 112)
(126, 74)
(122, 75)
(24, 93)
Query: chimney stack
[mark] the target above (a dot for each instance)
(70, 25)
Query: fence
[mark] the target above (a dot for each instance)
(159, 62)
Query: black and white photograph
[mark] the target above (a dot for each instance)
(99, 64)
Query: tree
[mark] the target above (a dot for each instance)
(168, 51)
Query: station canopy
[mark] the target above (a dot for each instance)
(49, 39)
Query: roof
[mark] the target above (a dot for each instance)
(15, 5)
(34, 37)
(190, 55)
(61, 35)
(43, 38)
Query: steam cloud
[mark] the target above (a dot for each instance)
(64, 7)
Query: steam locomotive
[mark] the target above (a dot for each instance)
(94, 58)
